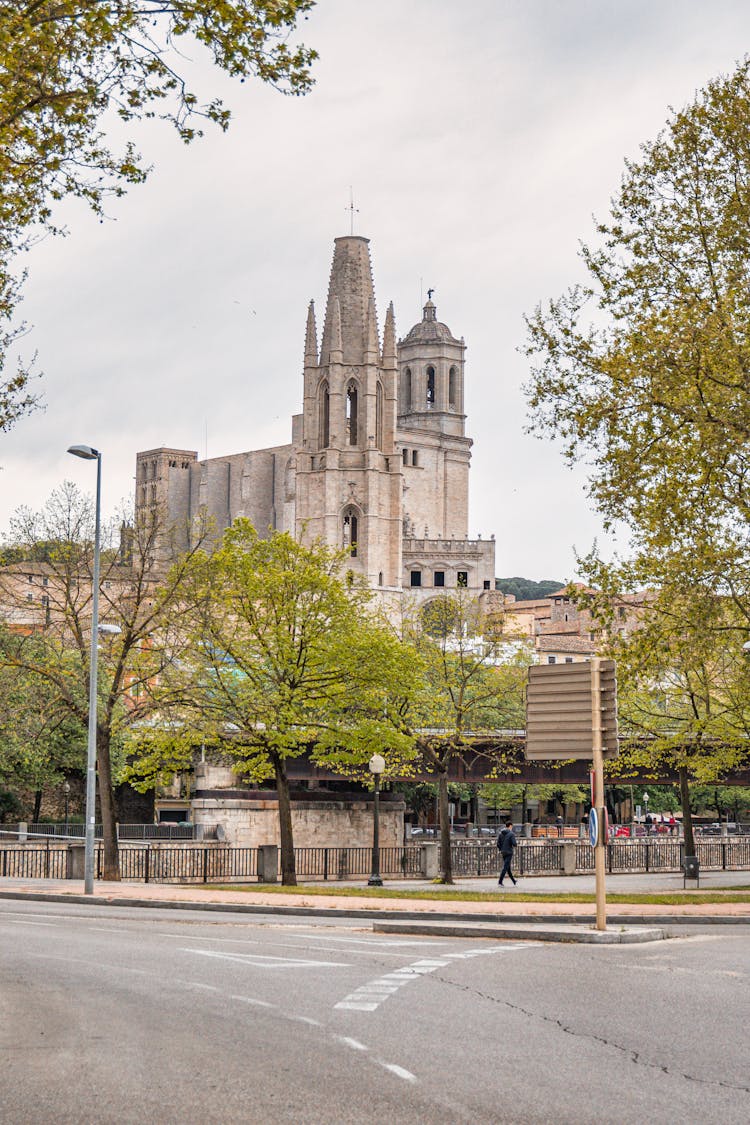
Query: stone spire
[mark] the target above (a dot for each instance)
(350, 284)
(389, 339)
(311, 338)
(336, 354)
(372, 349)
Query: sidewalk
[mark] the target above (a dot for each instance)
(265, 902)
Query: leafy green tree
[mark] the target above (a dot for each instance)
(40, 742)
(642, 370)
(683, 695)
(51, 652)
(470, 686)
(68, 66)
(287, 657)
(499, 795)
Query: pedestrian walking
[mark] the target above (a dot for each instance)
(506, 842)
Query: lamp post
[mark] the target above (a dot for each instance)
(376, 765)
(66, 793)
(88, 453)
(648, 825)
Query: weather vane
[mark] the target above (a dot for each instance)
(352, 210)
(429, 294)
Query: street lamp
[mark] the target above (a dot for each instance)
(88, 453)
(376, 765)
(645, 801)
(66, 792)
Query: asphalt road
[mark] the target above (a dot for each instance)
(120, 1015)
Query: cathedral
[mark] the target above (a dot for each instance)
(378, 462)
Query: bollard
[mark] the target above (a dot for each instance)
(268, 863)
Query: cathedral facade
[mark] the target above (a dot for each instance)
(378, 462)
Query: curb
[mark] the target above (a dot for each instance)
(536, 932)
(397, 914)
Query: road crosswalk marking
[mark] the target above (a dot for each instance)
(368, 997)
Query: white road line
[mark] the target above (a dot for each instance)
(267, 961)
(252, 1000)
(353, 1043)
(25, 923)
(306, 1019)
(398, 1071)
(376, 941)
(198, 984)
(301, 945)
(357, 1005)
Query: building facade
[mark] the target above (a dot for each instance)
(378, 462)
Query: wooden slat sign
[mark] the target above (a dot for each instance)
(559, 715)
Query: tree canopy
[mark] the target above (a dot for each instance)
(286, 656)
(47, 606)
(643, 370)
(68, 67)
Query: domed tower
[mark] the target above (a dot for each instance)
(434, 449)
(348, 473)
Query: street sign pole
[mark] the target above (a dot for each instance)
(600, 852)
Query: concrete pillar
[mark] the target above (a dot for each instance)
(268, 863)
(75, 861)
(527, 830)
(23, 832)
(430, 861)
(569, 857)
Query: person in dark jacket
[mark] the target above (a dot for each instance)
(506, 842)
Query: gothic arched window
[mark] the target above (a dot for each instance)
(379, 416)
(351, 413)
(407, 389)
(324, 416)
(452, 388)
(350, 530)
(430, 387)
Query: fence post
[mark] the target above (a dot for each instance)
(648, 853)
(23, 831)
(268, 863)
(325, 863)
(147, 863)
(430, 861)
(569, 857)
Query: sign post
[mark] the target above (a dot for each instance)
(600, 854)
(571, 713)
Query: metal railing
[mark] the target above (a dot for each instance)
(217, 863)
(124, 831)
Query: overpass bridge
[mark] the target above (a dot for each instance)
(499, 757)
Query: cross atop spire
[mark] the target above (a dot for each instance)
(352, 211)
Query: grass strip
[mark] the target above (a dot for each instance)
(700, 898)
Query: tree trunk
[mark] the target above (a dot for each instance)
(288, 870)
(446, 871)
(687, 816)
(37, 806)
(111, 864)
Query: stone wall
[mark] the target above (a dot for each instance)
(251, 821)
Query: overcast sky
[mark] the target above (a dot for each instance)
(479, 138)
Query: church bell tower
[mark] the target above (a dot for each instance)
(348, 470)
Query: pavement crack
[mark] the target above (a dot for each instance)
(635, 1056)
